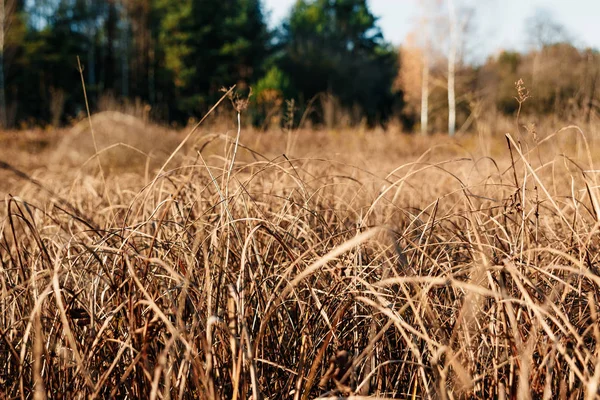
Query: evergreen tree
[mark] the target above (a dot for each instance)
(49, 60)
(335, 46)
(210, 44)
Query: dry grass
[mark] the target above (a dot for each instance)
(372, 266)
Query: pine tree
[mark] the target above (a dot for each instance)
(210, 44)
(335, 46)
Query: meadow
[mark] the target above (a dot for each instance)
(212, 262)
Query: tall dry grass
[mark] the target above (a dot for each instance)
(237, 271)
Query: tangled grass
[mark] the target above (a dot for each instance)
(269, 277)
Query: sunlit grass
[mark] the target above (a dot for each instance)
(374, 264)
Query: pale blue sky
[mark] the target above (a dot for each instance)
(500, 24)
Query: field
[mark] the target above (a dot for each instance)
(139, 261)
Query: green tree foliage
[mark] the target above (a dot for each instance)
(335, 46)
(175, 56)
(498, 77)
(48, 62)
(210, 44)
(269, 93)
(172, 54)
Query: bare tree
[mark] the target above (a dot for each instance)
(543, 30)
(425, 93)
(459, 16)
(413, 77)
(416, 56)
(453, 49)
(425, 23)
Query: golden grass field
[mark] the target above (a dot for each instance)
(145, 262)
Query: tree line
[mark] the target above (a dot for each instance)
(172, 58)
(175, 56)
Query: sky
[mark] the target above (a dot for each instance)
(500, 24)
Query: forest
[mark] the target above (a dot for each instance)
(169, 60)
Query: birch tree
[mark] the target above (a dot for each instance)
(427, 8)
(453, 48)
(458, 19)
(425, 88)
(413, 79)
(542, 30)
(416, 55)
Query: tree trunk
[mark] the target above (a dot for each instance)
(452, 68)
(2, 83)
(110, 62)
(91, 32)
(425, 88)
(124, 53)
